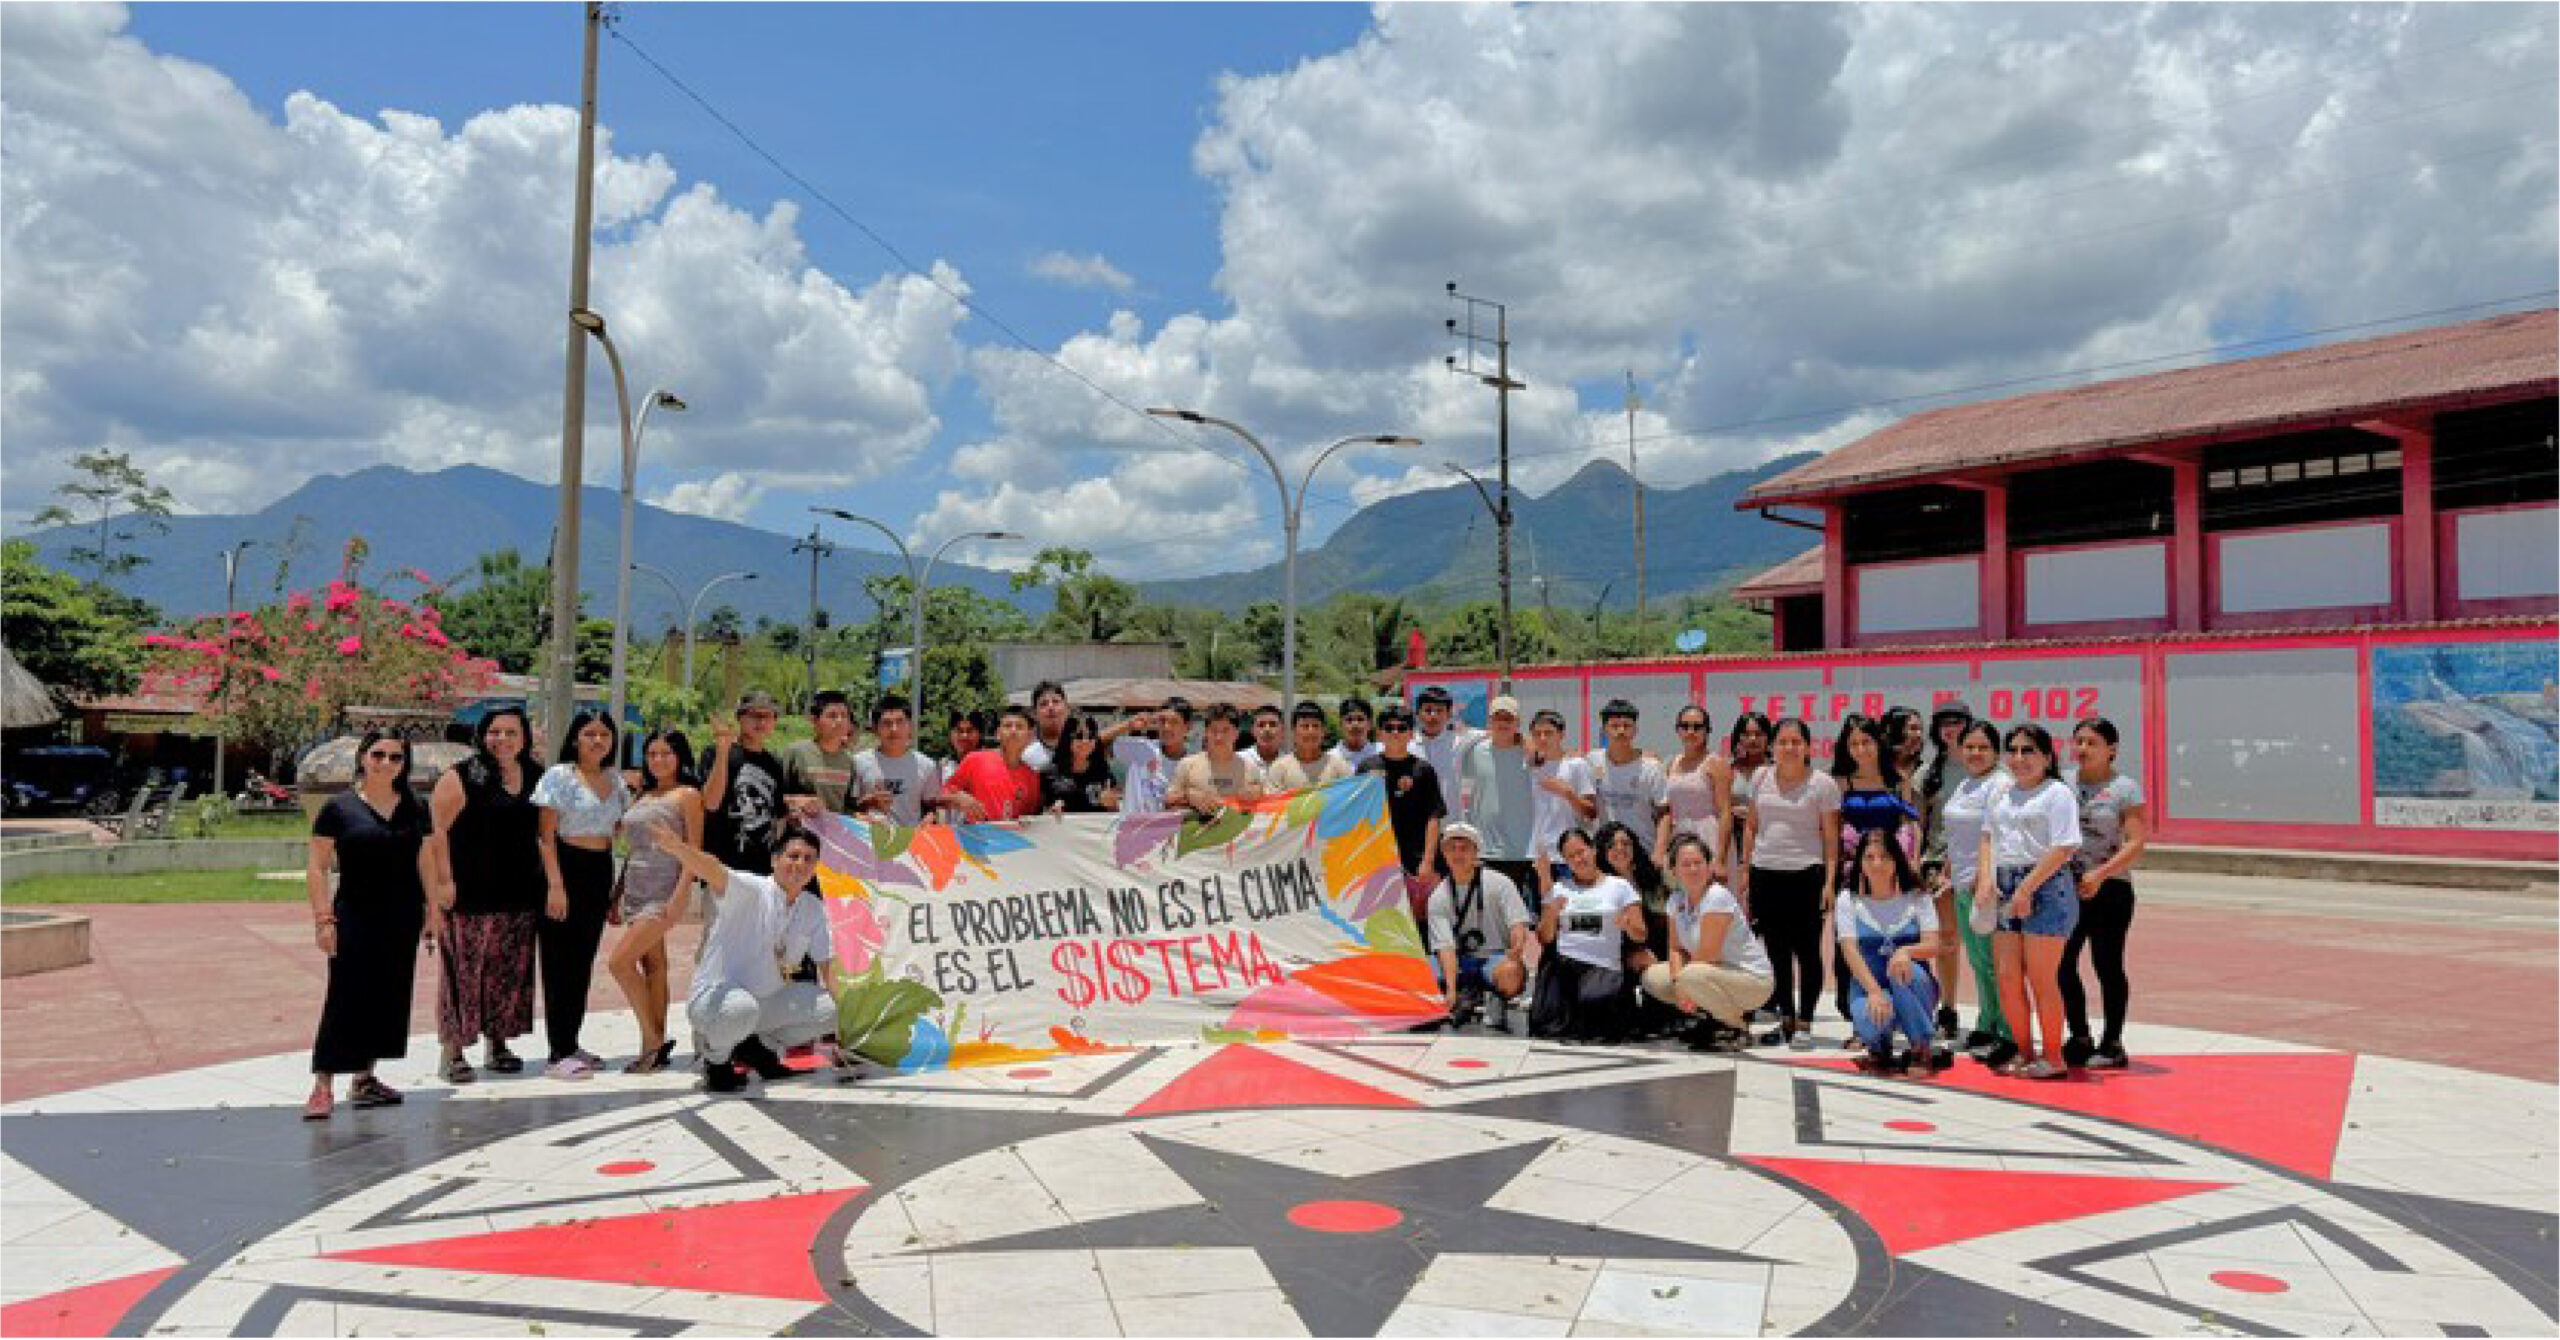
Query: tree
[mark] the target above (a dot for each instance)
(720, 625)
(595, 651)
(1089, 606)
(107, 481)
(501, 617)
(958, 623)
(76, 637)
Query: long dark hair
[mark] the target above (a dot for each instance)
(528, 762)
(1936, 776)
(2040, 739)
(1905, 879)
(1062, 760)
(1983, 728)
(578, 723)
(1843, 767)
(683, 749)
(408, 756)
(1644, 876)
(1733, 737)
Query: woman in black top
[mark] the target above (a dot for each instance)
(375, 834)
(1622, 855)
(1078, 778)
(490, 886)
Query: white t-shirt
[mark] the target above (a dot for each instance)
(1967, 808)
(1553, 815)
(1149, 771)
(1741, 949)
(1888, 917)
(583, 814)
(1631, 793)
(1353, 758)
(745, 937)
(1035, 755)
(1497, 907)
(2027, 824)
(912, 780)
(1588, 930)
(804, 930)
(1441, 752)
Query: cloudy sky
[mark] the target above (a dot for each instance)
(252, 243)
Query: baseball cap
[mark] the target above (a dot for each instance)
(1506, 705)
(1461, 829)
(1430, 695)
(757, 700)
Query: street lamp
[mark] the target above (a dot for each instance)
(1472, 343)
(916, 587)
(1290, 507)
(592, 322)
(690, 606)
(230, 603)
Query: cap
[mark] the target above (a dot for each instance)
(757, 700)
(1461, 829)
(1506, 705)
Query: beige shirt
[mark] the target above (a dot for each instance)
(1291, 775)
(1198, 781)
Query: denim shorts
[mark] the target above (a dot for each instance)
(2053, 911)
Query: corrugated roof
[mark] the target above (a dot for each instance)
(2501, 357)
(1795, 576)
(1129, 695)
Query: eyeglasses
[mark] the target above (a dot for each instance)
(1397, 729)
(384, 755)
(2025, 751)
(1689, 725)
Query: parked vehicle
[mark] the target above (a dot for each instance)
(61, 778)
(258, 792)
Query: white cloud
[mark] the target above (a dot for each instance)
(246, 302)
(1081, 271)
(727, 496)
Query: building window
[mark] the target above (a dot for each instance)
(1926, 521)
(2498, 456)
(2091, 503)
(2301, 479)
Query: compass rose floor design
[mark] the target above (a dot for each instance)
(1451, 1184)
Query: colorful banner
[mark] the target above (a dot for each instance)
(2466, 735)
(990, 944)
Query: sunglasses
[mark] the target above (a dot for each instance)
(1689, 725)
(1398, 728)
(384, 755)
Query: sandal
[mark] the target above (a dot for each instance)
(317, 1106)
(459, 1071)
(504, 1062)
(371, 1092)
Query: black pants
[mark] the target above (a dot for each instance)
(1577, 1001)
(1786, 911)
(2106, 920)
(567, 947)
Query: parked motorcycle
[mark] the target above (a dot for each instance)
(259, 793)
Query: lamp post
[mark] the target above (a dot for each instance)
(1291, 506)
(1500, 380)
(592, 322)
(691, 605)
(230, 602)
(560, 685)
(916, 587)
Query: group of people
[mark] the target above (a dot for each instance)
(1609, 893)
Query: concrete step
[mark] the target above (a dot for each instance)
(2434, 872)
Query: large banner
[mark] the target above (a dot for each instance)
(991, 944)
(2466, 735)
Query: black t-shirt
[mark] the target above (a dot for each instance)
(1413, 801)
(496, 843)
(741, 830)
(1078, 793)
(377, 856)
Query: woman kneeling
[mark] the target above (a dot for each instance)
(1888, 932)
(1588, 920)
(1717, 966)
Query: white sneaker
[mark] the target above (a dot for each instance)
(569, 1067)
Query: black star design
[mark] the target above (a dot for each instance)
(1349, 1282)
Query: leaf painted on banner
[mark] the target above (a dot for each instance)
(856, 862)
(1359, 938)
(1379, 889)
(838, 884)
(876, 1018)
(1381, 988)
(856, 932)
(984, 841)
(1304, 806)
(1391, 931)
(1352, 802)
(928, 1049)
(1350, 860)
(1138, 834)
(890, 840)
(937, 848)
(1076, 1044)
(1215, 831)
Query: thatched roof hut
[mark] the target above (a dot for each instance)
(24, 700)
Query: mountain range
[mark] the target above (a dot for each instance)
(1430, 546)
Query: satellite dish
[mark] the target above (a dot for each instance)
(1692, 640)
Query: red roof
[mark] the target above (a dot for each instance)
(2502, 358)
(1794, 577)
(158, 692)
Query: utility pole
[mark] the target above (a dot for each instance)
(817, 549)
(230, 603)
(1636, 482)
(1502, 384)
(560, 685)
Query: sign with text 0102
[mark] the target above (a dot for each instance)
(990, 944)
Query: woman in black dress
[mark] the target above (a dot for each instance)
(375, 834)
(490, 886)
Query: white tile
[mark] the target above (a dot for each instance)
(1255, 1312)
(1632, 1297)
(902, 1288)
(1150, 1272)
(1426, 1319)
(973, 1281)
(2475, 1299)
(1613, 1164)
(1529, 1286)
(1028, 1316)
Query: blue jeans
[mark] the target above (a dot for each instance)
(2053, 910)
(1915, 1008)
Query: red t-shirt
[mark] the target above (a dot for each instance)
(1004, 793)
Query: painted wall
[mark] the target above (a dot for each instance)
(2507, 553)
(2419, 742)
(2098, 584)
(2323, 567)
(1925, 597)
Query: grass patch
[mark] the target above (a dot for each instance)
(265, 824)
(186, 886)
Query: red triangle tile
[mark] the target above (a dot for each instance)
(91, 1309)
(758, 1247)
(1914, 1208)
(2284, 1107)
(1241, 1075)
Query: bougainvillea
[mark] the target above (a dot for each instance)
(285, 674)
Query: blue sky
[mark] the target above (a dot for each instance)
(234, 248)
